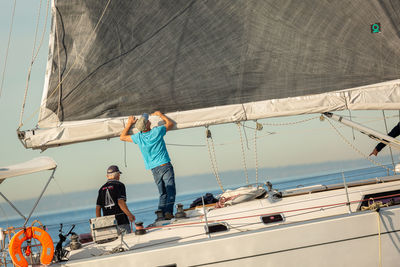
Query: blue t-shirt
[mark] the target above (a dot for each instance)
(152, 146)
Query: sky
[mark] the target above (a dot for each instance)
(82, 166)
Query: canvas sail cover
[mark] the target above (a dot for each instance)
(32, 166)
(208, 62)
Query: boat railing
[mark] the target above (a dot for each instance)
(370, 173)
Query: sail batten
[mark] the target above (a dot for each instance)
(109, 60)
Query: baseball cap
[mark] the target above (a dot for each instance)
(141, 122)
(112, 169)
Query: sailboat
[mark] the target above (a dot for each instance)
(212, 62)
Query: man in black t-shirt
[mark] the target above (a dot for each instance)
(111, 200)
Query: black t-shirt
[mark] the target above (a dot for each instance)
(108, 197)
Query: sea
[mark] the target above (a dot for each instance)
(144, 210)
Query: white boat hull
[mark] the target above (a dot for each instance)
(320, 235)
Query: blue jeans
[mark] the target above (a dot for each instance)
(165, 180)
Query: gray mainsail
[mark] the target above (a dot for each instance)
(209, 62)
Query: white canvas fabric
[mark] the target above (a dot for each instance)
(382, 96)
(31, 166)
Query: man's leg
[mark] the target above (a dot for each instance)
(169, 181)
(124, 228)
(157, 175)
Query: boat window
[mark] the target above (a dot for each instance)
(390, 197)
(267, 219)
(216, 227)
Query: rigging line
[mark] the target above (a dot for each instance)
(390, 148)
(290, 123)
(243, 154)
(34, 55)
(171, 144)
(8, 46)
(323, 182)
(214, 165)
(220, 144)
(368, 117)
(5, 214)
(257, 128)
(213, 158)
(245, 136)
(325, 127)
(76, 60)
(357, 150)
(352, 129)
(126, 165)
(59, 187)
(125, 162)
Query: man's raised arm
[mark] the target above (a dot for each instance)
(168, 123)
(124, 134)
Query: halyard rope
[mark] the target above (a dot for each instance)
(213, 158)
(238, 124)
(34, 55)
(257, 128)
(8, 46)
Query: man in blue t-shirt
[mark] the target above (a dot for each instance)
(155, 156)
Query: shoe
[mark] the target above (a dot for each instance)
(160, 219)
(168, 216)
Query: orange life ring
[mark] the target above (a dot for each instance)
(31, 232)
